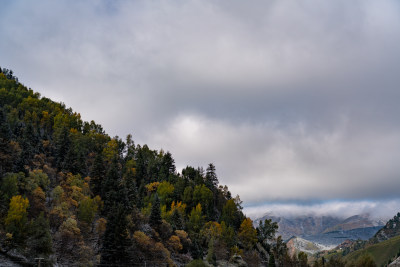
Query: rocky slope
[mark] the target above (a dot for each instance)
(395, 263)
(391, 229)
(296, 244)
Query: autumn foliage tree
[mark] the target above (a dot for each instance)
(247, 234)
(16, 220)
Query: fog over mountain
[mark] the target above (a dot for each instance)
(377, 210)
(294, 102)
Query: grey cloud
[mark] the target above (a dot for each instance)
(383, 210)
(291, 100)
(264, 162)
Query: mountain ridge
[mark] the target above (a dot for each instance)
(309, 225)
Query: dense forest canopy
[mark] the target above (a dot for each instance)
(71, 194)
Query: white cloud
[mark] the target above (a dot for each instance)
(384, 209)
(262, 162)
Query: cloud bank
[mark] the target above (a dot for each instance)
(292, 101)
(378, 210)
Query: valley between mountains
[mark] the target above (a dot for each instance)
(313, 234)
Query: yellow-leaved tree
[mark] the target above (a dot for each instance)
(16, 220)
(247, 234)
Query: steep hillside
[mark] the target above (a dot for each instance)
(72, 195)
(382, 253)
(391, 229)
(383, 247)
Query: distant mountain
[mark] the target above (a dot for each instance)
(337, 237)
(327, 230)
(296, 244)
(301, 225)
(356, 222)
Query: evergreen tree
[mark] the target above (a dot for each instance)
(75, 158)
(130, 148)
(196, 251)
(229, 213)
(155, 215)
(211, 257)
(211, 182)
(97, 174)
(113, 190)
(116, 242)
(141, 193)
(40, 241)
(28, 143)
(271, 262)
(177, 221)
(211, 177)
(167, 167)
(303, 259)
(266, 232)
(6, 163)
(132, 191)
(62, 144)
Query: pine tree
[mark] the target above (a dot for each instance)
(155, 215)
(62, 144)
(116, 242)
(196, 251)
(176, 220)
(265, 232)
(211, 257)
(29, 144)
(167, 166)
(112, 191)
(97, 174)
(132, 191)
(5, 149)
(271, 262)
(211, 177)
(40, 241)
(211, 182)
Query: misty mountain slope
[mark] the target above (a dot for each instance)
(355, 222)
(301, 225)
(335, 238)
(323, 228)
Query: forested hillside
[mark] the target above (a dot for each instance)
(73, 195)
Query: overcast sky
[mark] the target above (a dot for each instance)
(295, 102)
